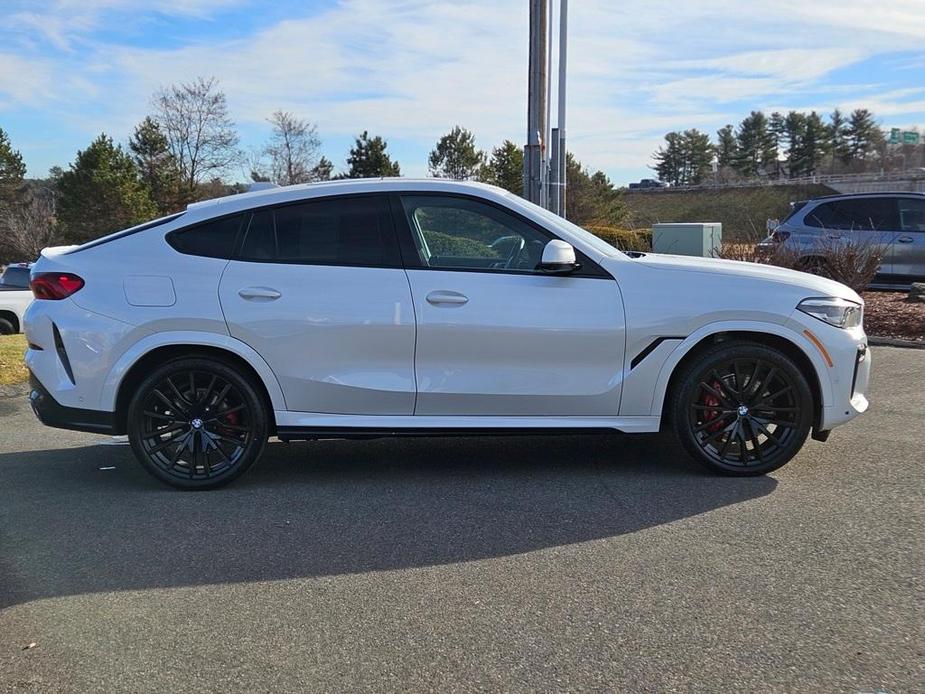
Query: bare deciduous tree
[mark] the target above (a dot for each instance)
(199, 131)
(28, 224)
(293, 149)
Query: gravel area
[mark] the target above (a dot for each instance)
(891, 314)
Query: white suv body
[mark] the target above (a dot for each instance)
(379, 307)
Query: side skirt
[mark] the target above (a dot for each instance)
(292, 426)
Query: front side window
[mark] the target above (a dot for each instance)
(855, 214)
(465, 234)
(336, 231)
(911, 214)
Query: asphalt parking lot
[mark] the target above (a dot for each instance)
(530, 564)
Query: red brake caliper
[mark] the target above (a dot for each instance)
(711, 400)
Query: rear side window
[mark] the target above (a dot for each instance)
(331, 231)
(214, 239)
(859, 214)
(911, 214)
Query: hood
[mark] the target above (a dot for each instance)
(813, 284)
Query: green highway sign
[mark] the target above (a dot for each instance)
(895, 134)
(910, 138)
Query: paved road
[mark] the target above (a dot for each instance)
(580, 563)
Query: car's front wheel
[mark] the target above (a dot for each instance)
(197, 423)
(742, 408)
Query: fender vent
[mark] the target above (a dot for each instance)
(62, 353)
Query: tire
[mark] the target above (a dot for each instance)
(742, 409)
(197, 423)
(6, 327)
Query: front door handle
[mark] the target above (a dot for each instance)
(905, 239)
(447, 298)
(259, 294)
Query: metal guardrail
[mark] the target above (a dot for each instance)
(886, 176)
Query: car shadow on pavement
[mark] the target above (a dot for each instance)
(69, 526)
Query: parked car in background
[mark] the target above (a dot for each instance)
(365, 308)
(647, 183)
(16, 275)
(895, 221)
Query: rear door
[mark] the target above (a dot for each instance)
(317, 289)
(495, 336)
(863, 221)
(909, 246)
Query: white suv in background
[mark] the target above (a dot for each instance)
(389, 307)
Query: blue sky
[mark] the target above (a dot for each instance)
(411, 69)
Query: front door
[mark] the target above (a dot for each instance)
(495, 336)
(317, 289)
(909, 241)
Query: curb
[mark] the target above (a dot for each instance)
(894, 342)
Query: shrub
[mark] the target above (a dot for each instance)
(851, 262)
(624, 239)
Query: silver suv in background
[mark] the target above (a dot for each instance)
(894, 220)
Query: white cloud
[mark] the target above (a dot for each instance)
(413, 68)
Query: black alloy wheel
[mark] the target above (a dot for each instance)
(197, 423)
(743, 409)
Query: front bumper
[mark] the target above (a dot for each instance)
(51, 413)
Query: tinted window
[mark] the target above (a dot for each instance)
(459, 233)
(338, 231)
(856, 213)
(911, 214)
(15, 277)
(213, 239)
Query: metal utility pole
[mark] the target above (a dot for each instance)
(559, 151)
(534, 153)
(545, 153)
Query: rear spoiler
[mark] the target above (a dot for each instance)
(53, 251)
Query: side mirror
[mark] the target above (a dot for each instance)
(558, 258)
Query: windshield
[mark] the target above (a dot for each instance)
(583, 234)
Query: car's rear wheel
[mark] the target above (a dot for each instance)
(742, 409)
(197, 423)
(6, 327)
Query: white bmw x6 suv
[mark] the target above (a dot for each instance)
(389, 307)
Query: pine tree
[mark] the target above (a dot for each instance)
(12, 168)
(670, 160)
(811, 147)
(455, 156)
(795, 132)
(757, 150)
(505, 168)
(323, 170)
(863, 135)
(698, 156)
(592, 199)
(156, 166)
(841, 150)
(727, 150)
(368, 159)
(101, 192)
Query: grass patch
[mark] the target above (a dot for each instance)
(12, 368)
(743, 211)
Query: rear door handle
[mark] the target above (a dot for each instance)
(447, 298)
(905, 239)
(259, 294)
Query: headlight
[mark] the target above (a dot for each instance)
(838, 312)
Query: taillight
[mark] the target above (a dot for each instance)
(54, 285)
(780, 236)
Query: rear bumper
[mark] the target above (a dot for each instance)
(51, 413)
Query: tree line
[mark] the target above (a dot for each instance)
(789, 145)
(188, 148)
